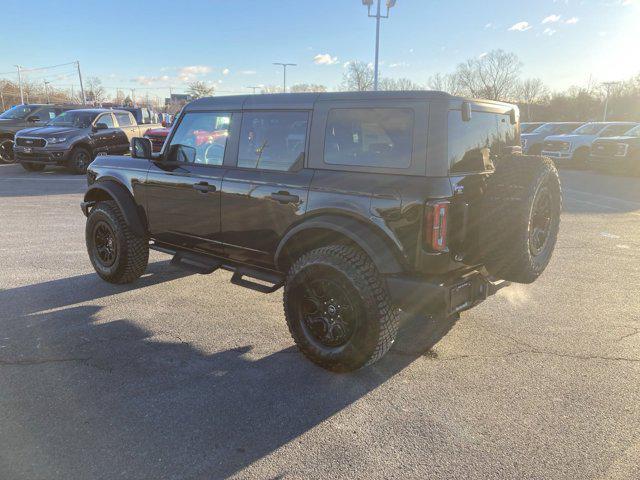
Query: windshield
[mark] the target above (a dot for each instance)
(546, 128)
(634, 132)
(73, 119)
(590, 129)
(19, 112)
(529, 127)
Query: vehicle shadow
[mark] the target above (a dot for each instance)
(17, 182)
(91, 399)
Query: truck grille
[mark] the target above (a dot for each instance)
(556, 146)
(606, 149)
(30, 142)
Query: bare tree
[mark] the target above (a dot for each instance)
(358, 77)
(493, 76)
(402, 84)
(95, 91)
(308, 87)
(271, 89)
(200, 89)
(532, 91)
(447, 82)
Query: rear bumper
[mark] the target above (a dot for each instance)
(435, 295)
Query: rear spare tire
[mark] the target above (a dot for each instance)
(522, 205)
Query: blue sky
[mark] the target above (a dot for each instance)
(150, 45)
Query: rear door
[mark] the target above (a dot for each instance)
(266, 192)
(183, 189)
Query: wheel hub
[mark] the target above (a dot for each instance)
(105, 245)
(540, 221)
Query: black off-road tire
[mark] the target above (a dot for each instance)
(33, 167)
(377, 320)
(131, 252)
(79, 160)
(509, 217)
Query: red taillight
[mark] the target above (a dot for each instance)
(435, 226)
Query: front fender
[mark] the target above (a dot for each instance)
(124, 200)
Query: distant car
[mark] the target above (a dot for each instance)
(532, 142)
(75, 138)
(617, 154)
(574, 149)
(144, 116)
(528, 127)
(23, 116)
(157, 137)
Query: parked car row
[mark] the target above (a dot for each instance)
(604, 146)
(41, 135)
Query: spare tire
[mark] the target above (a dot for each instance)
(521, 207)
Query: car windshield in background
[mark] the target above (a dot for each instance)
(73, 119)
(634, 132)
(590, 129)
(546, 128)
(18, 112)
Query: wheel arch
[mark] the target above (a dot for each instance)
(110, 190)
(327, 229)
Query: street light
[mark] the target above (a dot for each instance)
(254, 87)
(608, 86)
(284, 71)
(369, 3)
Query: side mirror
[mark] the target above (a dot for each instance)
(141, 148)
(33, 119)
(466, 112)
(100, 126)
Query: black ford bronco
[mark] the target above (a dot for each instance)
(359, 204)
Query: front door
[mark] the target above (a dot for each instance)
(104, 135)
(267, 192)
(183, 188)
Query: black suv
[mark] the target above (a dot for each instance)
(360, 204)
(75, 137)
(23, 116)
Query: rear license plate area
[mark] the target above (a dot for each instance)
(461, 296)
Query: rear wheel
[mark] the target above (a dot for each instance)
(338, 309)
(6, 151)
(33, 167)
(79, 160)
(522, 207)
(117, 255)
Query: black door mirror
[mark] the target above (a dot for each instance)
(141, 148)
(33, 119)
(100, 126)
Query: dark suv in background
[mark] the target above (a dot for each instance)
(359, 204)
(617, 154)
(23, 116)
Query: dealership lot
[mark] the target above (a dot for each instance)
(187, 376)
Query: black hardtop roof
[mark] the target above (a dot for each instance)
(98, 110)
(308, 100)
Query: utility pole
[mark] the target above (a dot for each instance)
(20, 83)
(46, 90)
(377, 16)
(254, 88)
(84, 99)
(2, 96)
(284, 72)
(133, 96)
(608, 86)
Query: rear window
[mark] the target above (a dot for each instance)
(372, 137)
(124, 119)
(483, 137)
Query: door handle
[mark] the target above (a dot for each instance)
(204, 187)
(285, 197)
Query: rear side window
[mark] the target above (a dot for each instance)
(473, 143)
(273, 140)
(124, 119)
(107, 119)
(372, 137)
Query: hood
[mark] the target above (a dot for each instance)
(569, 138)
(620, 139)
(158, 131)
(48, 132)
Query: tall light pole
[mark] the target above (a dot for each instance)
(84, 98)
(377, 16)
(608, 86)
(284, 72)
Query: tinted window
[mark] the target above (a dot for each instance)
(373, 137)
(107, 120)
(615, 130)
(18, 112)
(73, 118)
(46, 114)
(589, 129)
(273, 140)
(566, 128)
(473, 143)
(201, 137)
(124, 119)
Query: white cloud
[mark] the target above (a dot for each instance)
(520, 27)
(194, 70)
(549, 31)
(572, 21)
(226, 71)
(248, 72)
(324, 59)
(551, 19)
(398, 64)
(488, 25)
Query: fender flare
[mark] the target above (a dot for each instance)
(380, 252)
(123, 199)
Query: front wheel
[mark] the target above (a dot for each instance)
(6, 151)
(33, 167)
(117, 254)
(79, 160)
(338, 309)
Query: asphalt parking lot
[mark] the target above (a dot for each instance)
(181, 376)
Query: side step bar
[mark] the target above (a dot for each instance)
(267, 282)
